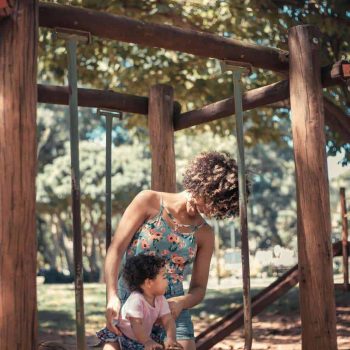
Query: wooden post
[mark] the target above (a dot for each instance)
(345, 233)
(18, 98)
(161, 133)
(317, 305)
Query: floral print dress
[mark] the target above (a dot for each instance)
(157, 237)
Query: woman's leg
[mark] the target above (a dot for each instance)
(111, 346)
(188, 344)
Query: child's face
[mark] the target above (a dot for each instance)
(159, 284)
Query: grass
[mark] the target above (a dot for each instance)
(56, 304)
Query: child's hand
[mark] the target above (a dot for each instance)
(172, 344)
(152, 345)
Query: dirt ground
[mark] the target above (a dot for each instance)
(276, 332)
(271, 331)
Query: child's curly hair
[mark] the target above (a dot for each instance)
(140, 267)
(214, 177)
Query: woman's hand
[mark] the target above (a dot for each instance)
(112, 313)
(172, 344)
(176, 305)
(152, 345)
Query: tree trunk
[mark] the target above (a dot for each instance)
(65, 244)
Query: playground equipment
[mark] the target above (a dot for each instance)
(237, 71)
(18, 47)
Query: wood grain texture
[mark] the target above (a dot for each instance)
(109, 26)
(267, 95)
(98, 99)
(18, 98)
(317, 305)
(345, 234)
(161, 133)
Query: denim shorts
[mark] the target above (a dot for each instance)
(184, 325)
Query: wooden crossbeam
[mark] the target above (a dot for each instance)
(221, 109)
(98, 99)
(266, 95)
(129, 30)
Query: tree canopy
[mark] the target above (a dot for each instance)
(133, 69)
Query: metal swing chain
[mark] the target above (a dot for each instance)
(237, 69)
(109, 114)
(72, 38)
(248, 329)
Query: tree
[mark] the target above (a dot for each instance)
(133, 69)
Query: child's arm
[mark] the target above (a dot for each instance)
(170, 328)
(141, 336)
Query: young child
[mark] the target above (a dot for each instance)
(147, 282)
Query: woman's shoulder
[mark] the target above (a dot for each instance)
(148, 195)
(147, 199)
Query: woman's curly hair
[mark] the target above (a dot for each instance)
(213, 176)
(140, 267)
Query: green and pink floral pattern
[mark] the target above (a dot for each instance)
(157, 237)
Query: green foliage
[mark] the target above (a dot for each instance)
(133, 69)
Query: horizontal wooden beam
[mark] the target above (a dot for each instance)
(129, 30)
(251, 99)
(98, 99)
(263, 96)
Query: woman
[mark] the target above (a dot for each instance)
(171, 225)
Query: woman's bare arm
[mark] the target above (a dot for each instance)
(135, 214)
(201, 266)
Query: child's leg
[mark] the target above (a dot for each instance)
(111, 346)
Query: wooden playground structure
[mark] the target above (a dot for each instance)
(19, 95)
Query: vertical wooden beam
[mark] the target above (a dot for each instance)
(345, 233)
(18, 98)
(317, 305)
(161, 133)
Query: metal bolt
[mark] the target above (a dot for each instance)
(315, 40)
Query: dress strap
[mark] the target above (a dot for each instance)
(161, 207)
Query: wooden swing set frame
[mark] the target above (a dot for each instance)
(304, 80)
